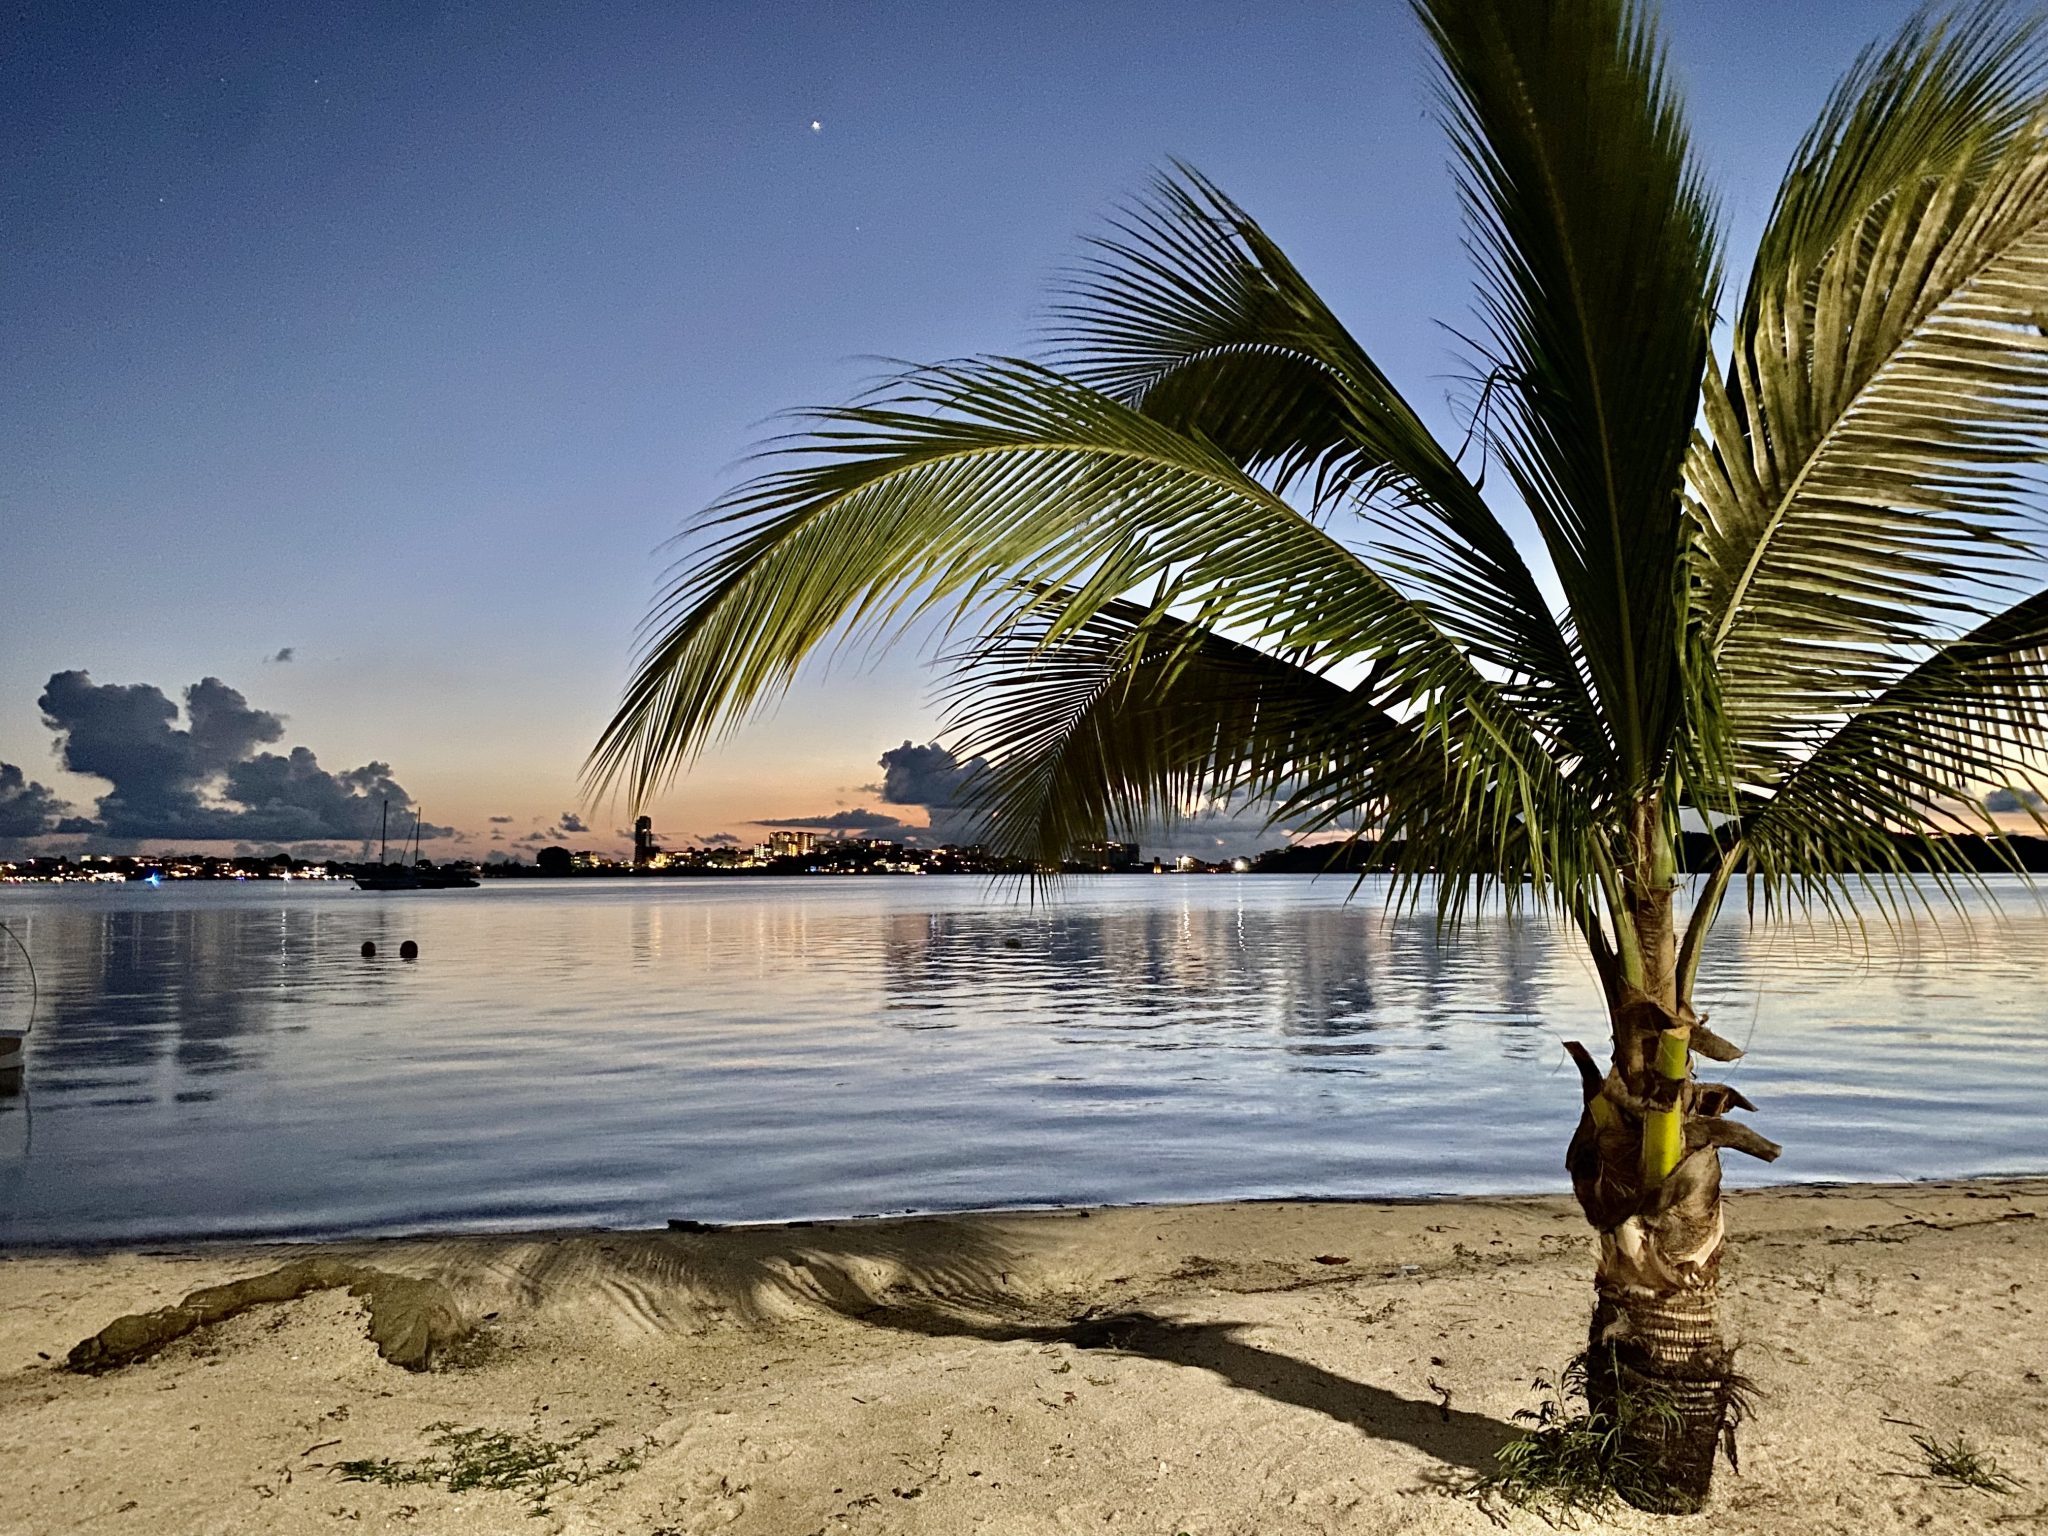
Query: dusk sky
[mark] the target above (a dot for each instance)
(361, 357)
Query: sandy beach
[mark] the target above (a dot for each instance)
(1215, 1370)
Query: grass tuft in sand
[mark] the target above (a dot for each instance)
(1573, 1459)
(1958, 1464)
(525, 1462)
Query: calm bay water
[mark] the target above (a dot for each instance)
(218, 1059)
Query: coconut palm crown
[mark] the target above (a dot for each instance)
(1204, 549)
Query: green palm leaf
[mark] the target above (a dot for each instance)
(1785, 579)
(1975, 713)
(1130, 721)
(1134, 719)
(1864, 486)
(1191, 314)
(1003, 491)
(1598, 272)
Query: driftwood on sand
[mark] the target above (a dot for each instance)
(409, 1319)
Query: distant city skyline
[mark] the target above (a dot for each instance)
(366, 358)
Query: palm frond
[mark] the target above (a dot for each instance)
(1952, 86)
(1863, 485)
(1135, 718)
(1915, 760)
(1596, 244)
(1128, 721)
(1789, 585)
(1004, 491)
(1190, 313)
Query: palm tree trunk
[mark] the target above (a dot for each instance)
(1645, 1165)
(1658, 1367)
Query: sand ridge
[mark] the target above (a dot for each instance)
(1216, 1370)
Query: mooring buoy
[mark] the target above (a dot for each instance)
(369, 950)
(408, 950)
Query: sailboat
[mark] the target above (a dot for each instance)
(409, 877)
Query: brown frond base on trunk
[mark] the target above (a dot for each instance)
(1645, 1163)
(1657, 1369)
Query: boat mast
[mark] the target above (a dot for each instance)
(384, 836)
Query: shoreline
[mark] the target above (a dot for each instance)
(170, 1244)
(1259, 1367)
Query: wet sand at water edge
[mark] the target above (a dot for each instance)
(1226, 1370)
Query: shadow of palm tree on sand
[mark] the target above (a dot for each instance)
(944, 1278)
(936, 1277)
(1462, 1439)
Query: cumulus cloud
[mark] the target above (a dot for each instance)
(28, 809)
(571, 822)
(931, 776)
(288, 653)
(928, 776)
(1217, 830)
(501, 821)
(208, 779)
(717, 840)
(302, 799)
(2005, 801)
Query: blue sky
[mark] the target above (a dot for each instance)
(401, 335)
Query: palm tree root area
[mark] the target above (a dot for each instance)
(1659, 1372)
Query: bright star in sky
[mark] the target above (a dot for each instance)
(816, 126)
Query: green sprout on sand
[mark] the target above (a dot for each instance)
(525, 1462)
(1575, 1459)
(1958, 1464)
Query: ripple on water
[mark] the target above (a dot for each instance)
(223, 1060)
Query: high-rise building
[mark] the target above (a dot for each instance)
(789, 844)
(1107, 856)
(644, 845)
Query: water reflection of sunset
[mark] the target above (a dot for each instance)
(212, 1059)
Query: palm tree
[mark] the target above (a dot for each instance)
(1205, 549)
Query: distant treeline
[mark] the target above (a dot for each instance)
(1698, 854)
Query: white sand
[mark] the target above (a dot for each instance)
(922, 1376)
